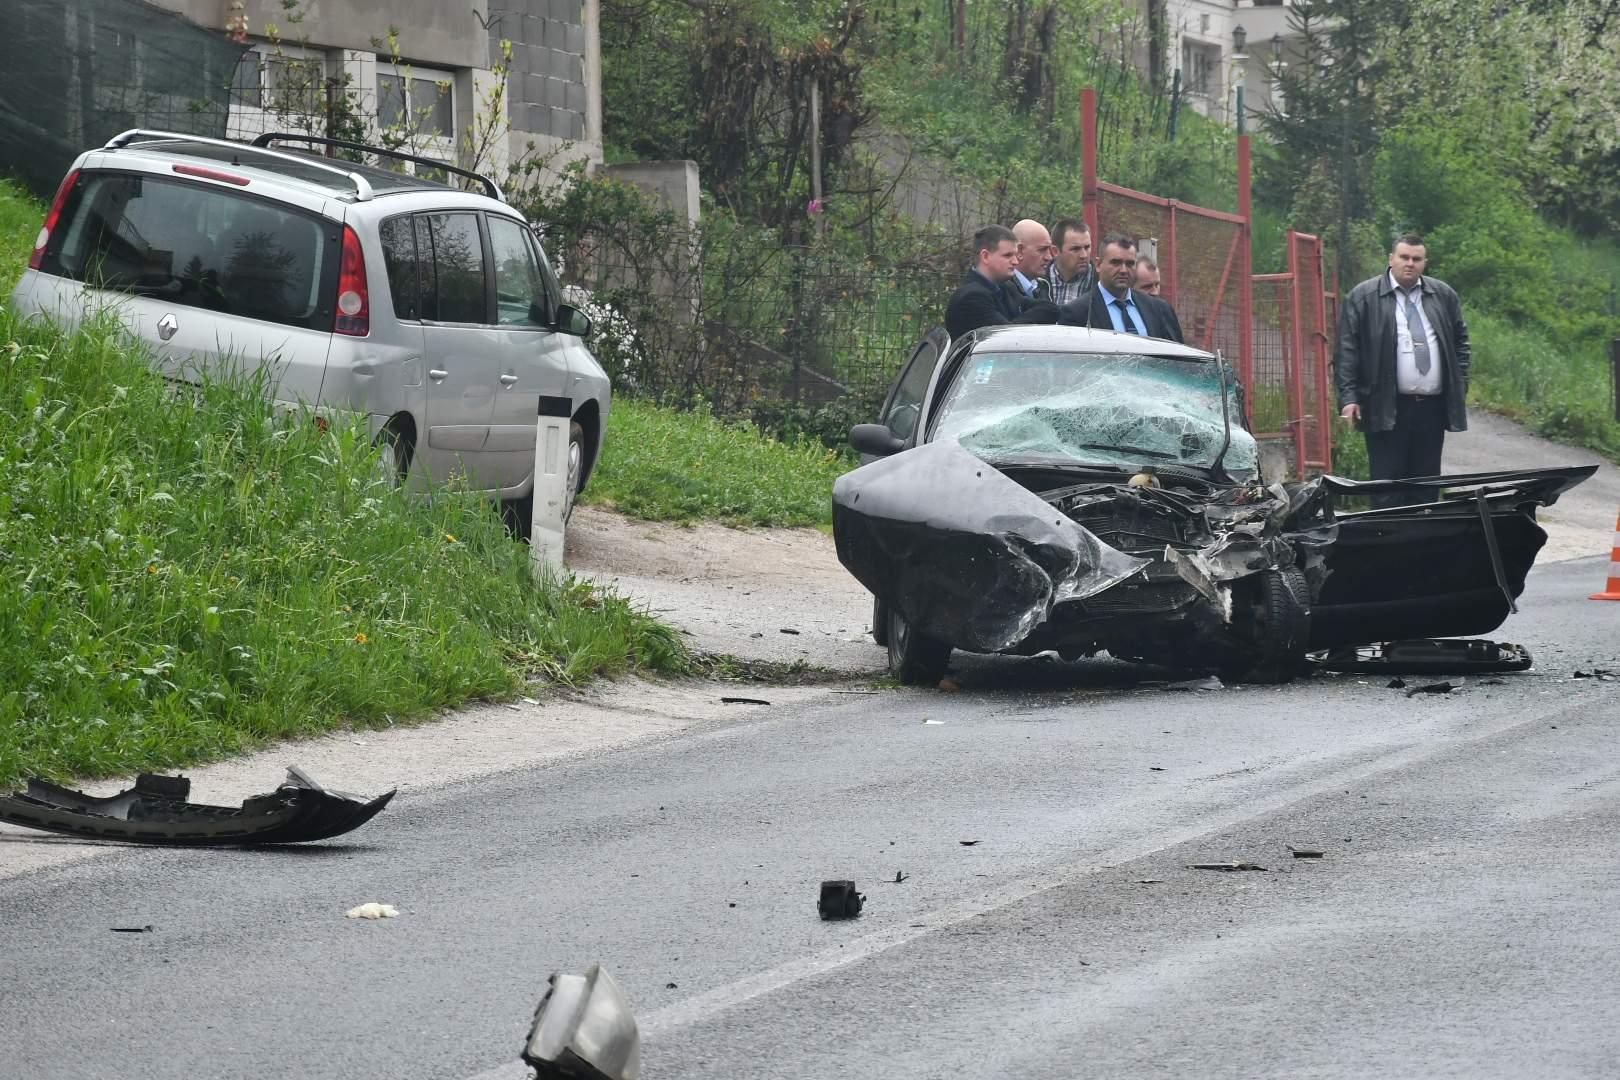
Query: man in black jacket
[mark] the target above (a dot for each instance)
(981, 299)
(1114, 305)
(1402, 366)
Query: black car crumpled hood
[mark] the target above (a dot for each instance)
(967, 555)
(1252, 528)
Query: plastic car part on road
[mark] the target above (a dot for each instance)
(156, 811)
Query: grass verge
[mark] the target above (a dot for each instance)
(673, 465)
(185, 576)
(20, 218)
(1562, 394)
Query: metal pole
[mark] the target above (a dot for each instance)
(1088, 160)
(1245, 208)
(1175, 102)
(815, 151)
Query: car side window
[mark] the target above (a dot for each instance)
(520, 292)
(906, 401)
(548, 276)
(459, 293)
(398, 237)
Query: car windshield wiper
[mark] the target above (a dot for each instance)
(1116, 448)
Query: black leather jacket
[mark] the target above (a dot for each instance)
(1364, 362)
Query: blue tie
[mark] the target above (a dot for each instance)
(1125, 316)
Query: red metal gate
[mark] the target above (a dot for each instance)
(1291, 393)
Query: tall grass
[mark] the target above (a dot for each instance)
(187, 574)
(672, 465)
(1563, 393)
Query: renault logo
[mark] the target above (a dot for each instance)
(167, 326)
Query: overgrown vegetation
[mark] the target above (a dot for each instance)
(675, 465)
(184, 575)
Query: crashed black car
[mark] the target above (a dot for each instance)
(1059, 488)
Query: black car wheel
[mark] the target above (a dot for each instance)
(915, 659)
(1277, 625)
(880, 623)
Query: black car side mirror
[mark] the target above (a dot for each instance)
(875, 439)
(571, 320)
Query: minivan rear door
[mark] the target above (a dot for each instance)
(212, 278)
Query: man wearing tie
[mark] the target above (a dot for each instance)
(1114, 304)
(1402, 366)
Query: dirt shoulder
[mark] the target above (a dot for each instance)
(761, 594)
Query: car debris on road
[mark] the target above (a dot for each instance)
(583, 1030)
(839, 900)
(156, 811)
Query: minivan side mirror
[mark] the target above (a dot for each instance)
(875, 439)
(571, 320)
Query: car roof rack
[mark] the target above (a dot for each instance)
(362, 187)
(270, 137)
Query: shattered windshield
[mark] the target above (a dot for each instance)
(1115, 409)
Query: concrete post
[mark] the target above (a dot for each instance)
(546, 525)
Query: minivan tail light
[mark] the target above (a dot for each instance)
(37, 259)
(353, 305)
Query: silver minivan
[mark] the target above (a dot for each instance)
(431, 310)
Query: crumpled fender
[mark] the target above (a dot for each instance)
(968, 556)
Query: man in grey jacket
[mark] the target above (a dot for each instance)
(1402, 366)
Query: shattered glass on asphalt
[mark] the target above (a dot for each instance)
(1122, 410)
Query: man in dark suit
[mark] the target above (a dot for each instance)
(1114, 305)
(1402, 367)
(1028, 284)
(981, 299)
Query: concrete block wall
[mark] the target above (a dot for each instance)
(550, 75)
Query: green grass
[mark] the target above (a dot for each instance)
(1561, 393)
(20, 218)
(184, 576)
(666, 464)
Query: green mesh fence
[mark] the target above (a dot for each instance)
(73, 73)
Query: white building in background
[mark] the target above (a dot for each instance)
(444, 74)
(1221, 44)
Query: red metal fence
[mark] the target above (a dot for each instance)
(1275, 328)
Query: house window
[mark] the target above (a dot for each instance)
(280, 79)
(417, 102)
(1201, 67)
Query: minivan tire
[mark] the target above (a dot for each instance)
(393, 456)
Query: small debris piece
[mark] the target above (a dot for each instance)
(511, 706)
(839, 900)
(949, 685)
(1397, 683)
(926, 722)
(967, 843)
(671, 986)
(1431, 688)
(785, 630)
(899, 876)
(731, 905)
(1211, 683)
(743, 701)
(1305, 853)
(147, 929)
(372, 911)
(1155, 768)
(530, 701)
(1150, 881)
(1582, 675)
(1225, 866)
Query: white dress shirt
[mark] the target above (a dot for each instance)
(1407, 379)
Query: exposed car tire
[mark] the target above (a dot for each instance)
(880, 624)
(393, 455)
(915, 659)
(1278, 625)
(519, 513)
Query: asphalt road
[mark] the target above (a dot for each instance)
(1463, 922)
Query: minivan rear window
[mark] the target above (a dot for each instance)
(200, 246)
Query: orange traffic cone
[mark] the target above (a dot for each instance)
(1611, 591)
